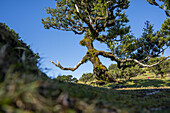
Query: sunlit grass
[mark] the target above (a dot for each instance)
(25, 89)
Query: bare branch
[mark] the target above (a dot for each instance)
(144, 65)
(85, 58)
(113, 57)
(77, 8)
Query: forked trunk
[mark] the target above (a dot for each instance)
(100, 71)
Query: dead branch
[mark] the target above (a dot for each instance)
(113, 57)
(144, 65)
(85, 58)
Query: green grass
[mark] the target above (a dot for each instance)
(25, 89)
(143, 82)
(139, 94)
(129, 100)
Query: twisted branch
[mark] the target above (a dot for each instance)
(85, 59)
(144, 65)
(113, 57)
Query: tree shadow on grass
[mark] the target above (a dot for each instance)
(145, 83)
(139, 99)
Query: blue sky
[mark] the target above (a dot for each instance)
(24, 16)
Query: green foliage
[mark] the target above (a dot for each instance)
(66, 78)
(112, 67)
(106, 21)
(153, 43)
(72, 15)
(126, 73)
(87, 77)
(162, 68)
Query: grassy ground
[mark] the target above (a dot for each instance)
(136, 95)
(139, 94)
(142, 82)
(25, 89)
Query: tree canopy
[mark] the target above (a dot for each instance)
(106, 21)
(66, 78)
(162, 69)
(87, 77)
(126, 73)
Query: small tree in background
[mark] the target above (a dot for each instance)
(87, 77)
(161, 69)
(126, 73)
(105, 21)
(66, 78)
(112, 67)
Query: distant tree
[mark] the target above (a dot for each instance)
(66, 78)
(87, 77)
(112, 67)
(75, 80)
(126, 73)
(160, 69)
(105, 21)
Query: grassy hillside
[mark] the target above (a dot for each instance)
(25, 89)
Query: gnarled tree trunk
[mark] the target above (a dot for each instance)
(99, 70)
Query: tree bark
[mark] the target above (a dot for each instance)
(99, 70)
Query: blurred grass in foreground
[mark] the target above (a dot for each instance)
(25, 89)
